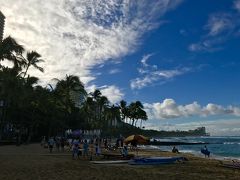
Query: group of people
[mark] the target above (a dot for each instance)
(83, 147)
(90, 147)
(78, 146)
(79, 149)
(59, 142)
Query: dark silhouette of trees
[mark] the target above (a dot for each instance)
(29, 111)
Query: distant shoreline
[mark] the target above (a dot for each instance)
(172, 143)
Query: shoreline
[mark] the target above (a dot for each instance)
(196, 154)
(175, 143)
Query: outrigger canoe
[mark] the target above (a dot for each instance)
(111, 162)
(155, 160)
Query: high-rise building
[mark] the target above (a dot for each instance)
(2, 22)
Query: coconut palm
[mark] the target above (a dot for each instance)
(33, 58)
(112, 115)
(96, 95)
(88, 109)
(12, 51)
(124, 110)
(103, 103)
(136, 112)
(65, 89)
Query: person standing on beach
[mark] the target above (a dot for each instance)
(205, 151)
(85, 148)
(75, 151)
(125, 151)
(51, 144)
(96, 147)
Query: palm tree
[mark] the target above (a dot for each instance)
(64, 91)
(10, 87)
(123, 110)
(12, 51)
(32, 60)
(103, 103)
(68, 85)
(88, 109)
(136, 112)
(143, 116)
(112, 115)
(96, 95)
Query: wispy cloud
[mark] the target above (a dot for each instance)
(237, 5)
(220, 27)
(114, 71)
(76, 35)
(208, 45)
(169, 109)
(219, 23)
(144, 60)
(151, 74)
(183, 32)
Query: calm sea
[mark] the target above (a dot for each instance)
(220, 147)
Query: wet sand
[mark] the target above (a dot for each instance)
(33, 162)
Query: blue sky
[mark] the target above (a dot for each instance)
(179, 57)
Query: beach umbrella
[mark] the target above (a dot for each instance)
(138, 139)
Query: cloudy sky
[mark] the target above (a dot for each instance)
(179, 57)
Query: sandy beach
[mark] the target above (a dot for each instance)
(34, 162)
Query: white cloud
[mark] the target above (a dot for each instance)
(73, 36)
(153, 76)
(169, 109)
(114, 71)
(219, 23)
(220, 27)
(207, 45)
(183, 32)
(144, 59)
(150, 74)
(112, 92)
(237, 5)
(219, 127)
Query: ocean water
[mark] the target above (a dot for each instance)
(220, 147)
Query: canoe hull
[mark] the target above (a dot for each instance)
(155, 160)
(111, 162)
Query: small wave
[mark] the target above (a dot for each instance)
(150, 147)
(231, 143)
(189, 151)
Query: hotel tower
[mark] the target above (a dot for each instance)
(2, 21)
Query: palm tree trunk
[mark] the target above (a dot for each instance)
(26, 71)
(133, 120)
